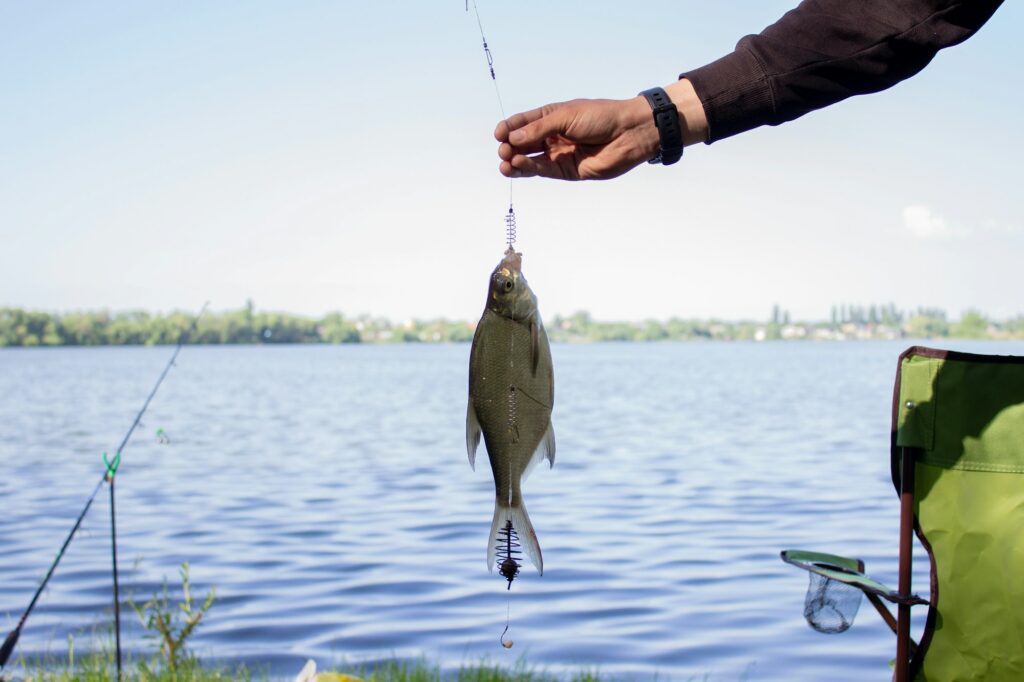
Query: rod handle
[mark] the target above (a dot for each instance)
(8, 648)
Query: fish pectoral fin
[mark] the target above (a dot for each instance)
(534, 344)
(547, 444)
(472, 434)
(545, 450)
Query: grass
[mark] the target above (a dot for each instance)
(99, 667)
(421, 671)
(171, 624)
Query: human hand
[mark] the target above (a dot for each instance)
(591, 139)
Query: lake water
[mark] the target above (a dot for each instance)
(325, 491)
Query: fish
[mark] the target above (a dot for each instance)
(511, 395)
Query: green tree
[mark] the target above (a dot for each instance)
(927, 326)
(972, 325)
(334, 328)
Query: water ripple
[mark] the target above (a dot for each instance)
(325, 492)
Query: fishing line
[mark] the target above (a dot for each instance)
(509, 566)
(489, 56)
(108, 476)
(508, 612)
(509, 555)
(510, 217)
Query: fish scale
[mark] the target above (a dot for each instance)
(511, 394)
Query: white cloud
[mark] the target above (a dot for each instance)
(923, 223)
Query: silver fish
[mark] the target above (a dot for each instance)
(511, 393)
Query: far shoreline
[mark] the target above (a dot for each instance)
(248, 327)
(910, 341)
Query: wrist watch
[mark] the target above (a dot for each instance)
(666, 119)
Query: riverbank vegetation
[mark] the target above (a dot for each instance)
(170, 623)
(20, 327)
(98, 667)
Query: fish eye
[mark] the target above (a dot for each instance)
(508, 285)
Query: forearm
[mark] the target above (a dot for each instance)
(825, 51)
(692, 119)
(692, 122)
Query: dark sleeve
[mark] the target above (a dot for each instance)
(825, 51)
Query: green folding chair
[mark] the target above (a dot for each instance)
(958, 466)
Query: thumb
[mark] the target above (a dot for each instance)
(554, 118)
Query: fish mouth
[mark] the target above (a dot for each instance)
(511, 263)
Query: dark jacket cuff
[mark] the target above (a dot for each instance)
(735, 93)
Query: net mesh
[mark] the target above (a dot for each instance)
(830, 605)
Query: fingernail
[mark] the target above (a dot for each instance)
(516, 136)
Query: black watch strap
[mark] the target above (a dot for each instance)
(666, 118)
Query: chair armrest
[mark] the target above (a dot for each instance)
(846, 570)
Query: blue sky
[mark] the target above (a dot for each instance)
(317, 156)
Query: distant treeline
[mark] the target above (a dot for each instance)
(248, 326)
(876, 322)
(135, 328)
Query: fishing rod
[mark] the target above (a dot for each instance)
(108, 476)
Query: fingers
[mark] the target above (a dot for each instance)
(520, 166)
(506, 169)
(512, 125)
(507, 151)
(516, 121)
(525, 150)
(501, 132)
(531, 166)
(531, 135)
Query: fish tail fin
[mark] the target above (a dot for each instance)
(524, 533)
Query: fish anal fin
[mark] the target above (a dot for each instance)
(472, 434)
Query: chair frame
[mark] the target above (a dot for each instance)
(908, 457)
(903, 461)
